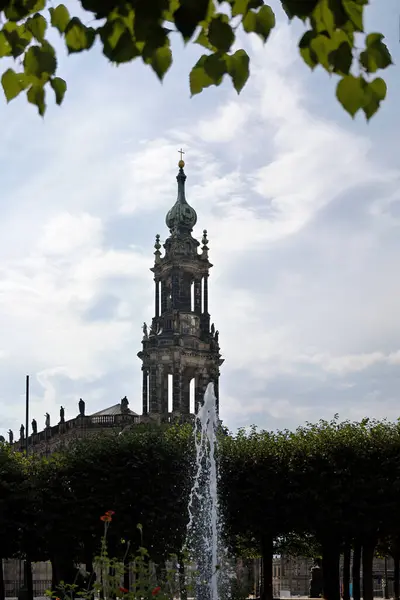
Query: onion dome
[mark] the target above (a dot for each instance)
(181, 218)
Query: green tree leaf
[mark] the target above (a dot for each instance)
(350, 93)
(60, 87)
(118, 42)
(203, 40)
(215, 65)
(20, 9)
(341, 55)
(376, 55)
(78, 37)
(160, 61)
(321, 47)
(354, 9)
(189, 15)
(40, 61)
(374, 92)
(306, 51)
(220, 33)
(59, 17)
(261, 22)
(299, 8)
(13, 83)
(341, 59)
(209, 70)
(17, 36)
(5, 49)
(198, 80)
(322, 17)
(238, 69)
(37, 25)
(241, 7)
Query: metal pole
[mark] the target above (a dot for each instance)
(27, 592)
(26, 414)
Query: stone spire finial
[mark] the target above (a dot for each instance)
(181, 218)
(157, 246)
(204, 241)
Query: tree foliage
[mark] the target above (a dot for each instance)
(316, 491)
(133, 29)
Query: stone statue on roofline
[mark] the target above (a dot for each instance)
(47, 420)
(34, 426)
(81, 405)
(124, 405)
(10, 436)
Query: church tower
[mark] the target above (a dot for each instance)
(180, 346)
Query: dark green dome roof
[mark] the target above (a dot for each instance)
(181, 218)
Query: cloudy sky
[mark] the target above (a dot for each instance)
(302, 206)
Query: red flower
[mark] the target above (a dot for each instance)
(156, 591)
(110, 513)
(106, 518)
(123, 590)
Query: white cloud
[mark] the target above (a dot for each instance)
(227, 124)
(302, 292)
(68, 233)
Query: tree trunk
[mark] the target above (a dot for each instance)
(386, 589)
(2, 587)
(356, 570)
(127, 579)
(267, 552)
(396, 559)
(330, 569)
(55, 576)
(346, 571)
(29, 579)
(368, 551)
(62, 570)
(182, 578)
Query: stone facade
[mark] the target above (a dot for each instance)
(180, 346)
(57, 437)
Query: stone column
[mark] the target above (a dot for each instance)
(157, 299)
(176, 388)
(164, 292)
(159, 386)
(164, 394)
(153, 408)
(197, 296)
(205, 292)
(145, 391)
(198, 391)
(175, 290)
(185, 398)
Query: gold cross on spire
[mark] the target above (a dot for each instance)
(181, 163)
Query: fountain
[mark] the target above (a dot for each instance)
(204, 528)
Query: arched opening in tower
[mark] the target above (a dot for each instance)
(170, 382)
